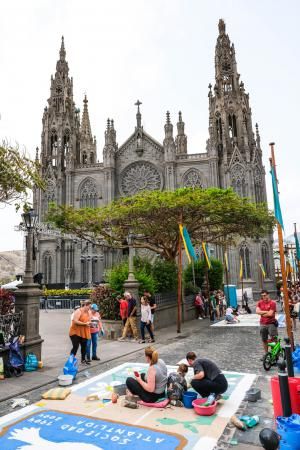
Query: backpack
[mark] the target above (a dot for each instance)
(31, 362)
(15, 358)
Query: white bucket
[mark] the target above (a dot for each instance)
(65, 380)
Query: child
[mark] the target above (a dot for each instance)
(145, 319)
(177, 385)
(229, 316)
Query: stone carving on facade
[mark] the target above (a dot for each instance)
(50, 190)
(192, 178)
(140, 176)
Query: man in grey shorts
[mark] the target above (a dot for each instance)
(266, 309)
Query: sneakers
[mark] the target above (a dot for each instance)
(121, 339)
(85, 361)
(142, 342)
(132, 398)
(88, 360)
(176, 403)
(95, 358)
(200, 318)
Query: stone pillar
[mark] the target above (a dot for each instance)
(131, 284)
(28, 302)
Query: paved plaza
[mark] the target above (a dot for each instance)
(235, 350)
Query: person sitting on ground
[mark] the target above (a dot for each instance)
(177, 385)
(146, 320)
(148, 387)
(208, 378)
(230, 317)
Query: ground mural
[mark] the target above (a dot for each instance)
(99, 424)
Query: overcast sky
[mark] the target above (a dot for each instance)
(161, 52)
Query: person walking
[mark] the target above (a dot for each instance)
(148, 387)
(123, 309)
(212, 307)
(199, 306)
(131, 322)
(80, 330)
(95, 328)
(146, 320)
(153, 307)
(208, 379)
(266, 309)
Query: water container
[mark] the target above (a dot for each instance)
(294, 387)
(289, 430)
(188, 398)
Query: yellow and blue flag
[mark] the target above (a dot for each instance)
(277, 209)
(241, 269)
(262, 270)
(188, 246)
(206, 255)
(226, 261)
(297, 246)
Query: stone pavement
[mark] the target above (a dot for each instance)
(235, 349)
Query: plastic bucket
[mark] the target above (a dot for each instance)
(204, 410)
(188, 398)
(289, 430)
(294, 388)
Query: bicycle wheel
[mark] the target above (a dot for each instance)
(267, 361)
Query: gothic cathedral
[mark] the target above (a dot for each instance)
(68, 159)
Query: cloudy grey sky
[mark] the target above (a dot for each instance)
(162, 52)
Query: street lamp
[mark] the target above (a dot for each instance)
(30, 220)
(28, 295)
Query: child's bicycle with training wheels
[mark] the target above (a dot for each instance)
(275, 351)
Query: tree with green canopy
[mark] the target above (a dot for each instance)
(216, 216)
(18, 175)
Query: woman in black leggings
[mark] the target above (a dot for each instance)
(150, 387)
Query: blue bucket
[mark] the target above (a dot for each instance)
(188, 398)
(289, 430)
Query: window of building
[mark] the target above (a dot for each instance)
(265, 257)
(245, 257)
(232, 126)
(88, 194)
(47, 268)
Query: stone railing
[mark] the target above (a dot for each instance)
(193, 156)
(10, 325)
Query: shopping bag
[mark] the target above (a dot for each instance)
(71, 366)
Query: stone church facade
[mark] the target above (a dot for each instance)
(68, 158)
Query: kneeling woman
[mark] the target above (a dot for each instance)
(151, 386)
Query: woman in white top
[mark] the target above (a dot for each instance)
(146, 319)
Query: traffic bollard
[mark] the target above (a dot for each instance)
(289, 359)
(284, 389)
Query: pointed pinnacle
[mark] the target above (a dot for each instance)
(179, 117)
(112, 124)
(62, 52)
(168, 117)
(108, 124)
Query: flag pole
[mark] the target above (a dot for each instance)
(225, 255)
(297, 259)
(282, 261)
(179, 283)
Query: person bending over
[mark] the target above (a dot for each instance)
(208, 378)
(150, 387)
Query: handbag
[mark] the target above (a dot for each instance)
(71, 366)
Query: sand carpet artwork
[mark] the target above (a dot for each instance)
(78, 424)
(249, 320)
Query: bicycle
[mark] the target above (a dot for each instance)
(274, 353)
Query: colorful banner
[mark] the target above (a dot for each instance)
(226, 261)
(188, 246)
(262, 270)
(206, 255)
(277, 209)
(297, 246)
(241, 269)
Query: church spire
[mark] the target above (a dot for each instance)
(85, 128)
(138, 114)
(62, 52)
(181, 139)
